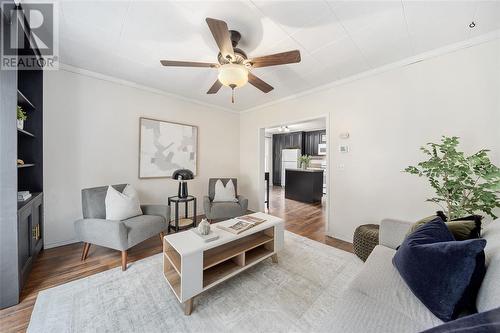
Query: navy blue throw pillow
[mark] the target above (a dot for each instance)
(438, 269)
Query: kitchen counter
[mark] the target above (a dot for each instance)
(304, 185)
(307, 170)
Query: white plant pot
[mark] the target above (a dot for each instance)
(20, 124)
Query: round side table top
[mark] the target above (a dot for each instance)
(177, 199)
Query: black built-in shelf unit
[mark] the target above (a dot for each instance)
(21, 223)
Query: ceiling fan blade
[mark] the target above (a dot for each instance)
(276, 59)
(222, 37)
(215, 87)
(258, 83)
(172, 63)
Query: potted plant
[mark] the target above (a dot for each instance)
(304, 161)
(21, 117)
(464, 184)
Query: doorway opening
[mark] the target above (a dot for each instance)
(295, 165)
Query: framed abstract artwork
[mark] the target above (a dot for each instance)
(165, 147)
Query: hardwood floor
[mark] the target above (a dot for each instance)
(304, 219)
(62, 264)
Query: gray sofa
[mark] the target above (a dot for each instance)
(378, 300)
(118, 235)
(223, 210)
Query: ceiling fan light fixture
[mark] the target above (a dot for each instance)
(233, 75)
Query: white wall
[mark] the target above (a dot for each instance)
(91, 138)
(389, 116)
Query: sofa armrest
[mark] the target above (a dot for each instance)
(158, 210)
(393, 232)
(107, 233)
(243, 203)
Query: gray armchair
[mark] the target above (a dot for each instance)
(223, 210)
(118, 235)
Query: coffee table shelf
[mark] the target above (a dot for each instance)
(173, 278)
(172, 255)
(256, 254)
(192, 266)
(221, 253)
(215, 273)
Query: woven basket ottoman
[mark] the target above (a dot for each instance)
(365, 239)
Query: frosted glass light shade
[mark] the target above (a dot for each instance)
(233, 74)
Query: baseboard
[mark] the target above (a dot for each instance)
(60, 243)
(329, 234)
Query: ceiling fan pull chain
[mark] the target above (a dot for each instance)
(232, 86)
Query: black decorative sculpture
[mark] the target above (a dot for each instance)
(182, 175)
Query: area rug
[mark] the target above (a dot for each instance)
(295, 295)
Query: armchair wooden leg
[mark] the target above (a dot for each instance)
(124, 260)
(85, 252)
(162, 234)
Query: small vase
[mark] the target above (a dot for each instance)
(20, 124)
(204, 227)
(304, 167)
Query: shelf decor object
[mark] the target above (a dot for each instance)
(21, 117)
(165, 147)
(192, 266)
(204, 227)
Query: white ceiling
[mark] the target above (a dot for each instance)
(337, 39)
(310, 125)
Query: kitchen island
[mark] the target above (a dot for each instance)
(304, 185)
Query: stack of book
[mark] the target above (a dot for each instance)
(242, 223)
(23, 195)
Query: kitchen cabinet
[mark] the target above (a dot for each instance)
(307, 142)
(312, 140)
(278, 142)
(304, 185)
(30, 221)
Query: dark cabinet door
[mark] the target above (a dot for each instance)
(308, 146)
(278, 143)
(315, 142)
(288, 141)
(296, 140)
(25, 234)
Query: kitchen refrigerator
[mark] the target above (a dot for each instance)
(289, 160)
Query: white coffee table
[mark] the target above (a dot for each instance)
(192, 266)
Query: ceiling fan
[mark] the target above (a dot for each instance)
(233, 64)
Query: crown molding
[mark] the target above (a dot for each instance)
(482, 39)
(131, 84)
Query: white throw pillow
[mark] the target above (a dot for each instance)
(224, 193)
(122, 206)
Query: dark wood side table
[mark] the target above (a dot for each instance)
(185, 222)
